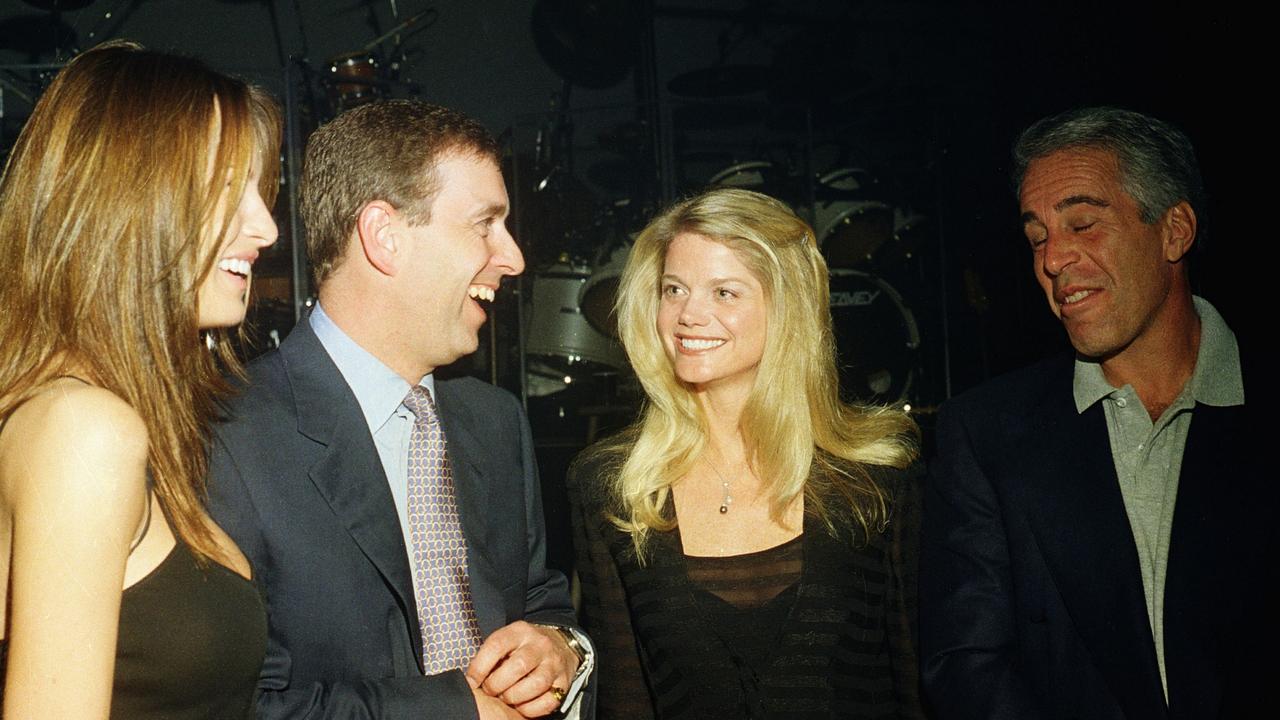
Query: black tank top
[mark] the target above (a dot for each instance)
(191, 643)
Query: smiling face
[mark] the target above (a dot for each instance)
(713, 316)
(1107, 274)
(224, 293)
(456, 261)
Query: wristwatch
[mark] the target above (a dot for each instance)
(572, 641)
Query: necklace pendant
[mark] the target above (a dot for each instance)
(724, 509)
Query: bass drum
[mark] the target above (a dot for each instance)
(877, 340)
(560, 345)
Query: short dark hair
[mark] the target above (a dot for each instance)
(384, 150)
(1158, 165)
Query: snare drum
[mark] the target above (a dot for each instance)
(354, 79)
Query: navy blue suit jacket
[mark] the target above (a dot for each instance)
(295, 479)
(1032, 603)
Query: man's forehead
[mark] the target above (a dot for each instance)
(473, 180)
(1071, 176)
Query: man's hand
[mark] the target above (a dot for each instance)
(520, 664)
(491, 708)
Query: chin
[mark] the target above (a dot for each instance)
(225, 319)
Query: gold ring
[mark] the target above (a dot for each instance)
(558, 694)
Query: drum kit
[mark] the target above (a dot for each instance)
(572, 333)
(355, 78)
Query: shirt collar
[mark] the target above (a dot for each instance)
(1216, 380)
(378, 389)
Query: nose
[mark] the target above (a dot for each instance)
(259, 225)
(693, 311)
(506, 255)
(1060, 251)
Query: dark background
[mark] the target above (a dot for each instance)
(638, 102)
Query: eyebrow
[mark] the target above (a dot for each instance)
(489, 211)
(1063, 204)
(713, 281)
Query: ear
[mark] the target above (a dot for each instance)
(377, 235)
(1179, 231)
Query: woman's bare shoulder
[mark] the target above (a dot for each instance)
(72, 437)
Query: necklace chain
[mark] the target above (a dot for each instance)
(726, 499)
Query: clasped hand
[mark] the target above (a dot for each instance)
(519, 665)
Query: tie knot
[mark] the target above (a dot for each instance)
(421, 404)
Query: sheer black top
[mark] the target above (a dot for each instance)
(820, 627)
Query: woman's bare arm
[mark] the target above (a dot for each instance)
(73, 477)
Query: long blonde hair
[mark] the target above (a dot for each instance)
(106, 207)
(800, 437)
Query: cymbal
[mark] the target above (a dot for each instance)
(719, 81)
(592, 43)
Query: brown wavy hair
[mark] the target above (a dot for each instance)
(106, 207)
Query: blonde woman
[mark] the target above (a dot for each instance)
(131, 210)
(740, 549)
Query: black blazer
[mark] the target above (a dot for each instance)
(295, 479)
(1031, 598)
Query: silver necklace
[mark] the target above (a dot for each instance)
(725, 499)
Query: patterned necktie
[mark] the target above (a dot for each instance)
(450, 633)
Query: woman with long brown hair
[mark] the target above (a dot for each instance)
(744, 547)
(131, 210)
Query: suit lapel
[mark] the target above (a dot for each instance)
(347, 472)
(472, 488)
(1214, 523)
(1078, 517)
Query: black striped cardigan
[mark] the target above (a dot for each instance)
(847, 649)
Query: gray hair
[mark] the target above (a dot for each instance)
(1158, 166)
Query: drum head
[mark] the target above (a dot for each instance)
(852, 224)
(876, 338)
(761, 176)
(601, 291)
(560, 342)
(857, 233)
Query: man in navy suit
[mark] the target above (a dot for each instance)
(405, 209)
(1098, 531)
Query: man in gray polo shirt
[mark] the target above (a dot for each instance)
(1097, 540)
